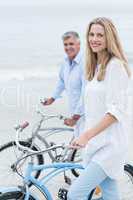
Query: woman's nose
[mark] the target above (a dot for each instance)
(95, 38)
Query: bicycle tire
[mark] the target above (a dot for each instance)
(91, 195)
(127, 189)
(129, 168)
(8, 149)
(15, 195)
(18, 195)
(75, 172)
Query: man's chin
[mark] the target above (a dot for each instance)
(71, 57)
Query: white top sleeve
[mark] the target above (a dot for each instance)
(117, 82)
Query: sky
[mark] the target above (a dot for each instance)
(124, 6)
(48, 2)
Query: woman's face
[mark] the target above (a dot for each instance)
(97, 38)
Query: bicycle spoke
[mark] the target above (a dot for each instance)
(8, 157)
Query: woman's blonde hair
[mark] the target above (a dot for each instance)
(113, 49)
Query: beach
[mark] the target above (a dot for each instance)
(20, 99)
(31, 51)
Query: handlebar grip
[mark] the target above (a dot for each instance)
(62, 117)
(24, 125)
(42, 101)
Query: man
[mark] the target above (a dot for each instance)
(71, 79)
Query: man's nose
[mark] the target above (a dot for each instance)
(68, 46)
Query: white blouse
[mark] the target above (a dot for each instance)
(108, 148)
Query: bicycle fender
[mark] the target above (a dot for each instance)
(9, 189)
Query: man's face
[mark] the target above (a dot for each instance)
(71, 47)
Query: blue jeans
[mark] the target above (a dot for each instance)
(92, 176)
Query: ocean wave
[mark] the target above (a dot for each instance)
(6, 75)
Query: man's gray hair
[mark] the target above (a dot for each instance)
(69, 34)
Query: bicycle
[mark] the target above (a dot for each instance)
(8, 166)
(24, 193)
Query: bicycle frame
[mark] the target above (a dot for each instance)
(47, 145)
(17, 189)
(36, 134)
(49, 131)
(57, 168)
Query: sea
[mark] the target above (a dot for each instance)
(30, 34)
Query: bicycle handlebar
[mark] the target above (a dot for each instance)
(28, 149)
(46, 117)
(22, 126)
(43, 118)
(19, 128)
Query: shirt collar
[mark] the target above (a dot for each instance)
(76, 59)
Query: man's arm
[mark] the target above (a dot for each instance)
(80, 104)
(58, 90)
(79, 111)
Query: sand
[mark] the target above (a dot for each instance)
(19, 100)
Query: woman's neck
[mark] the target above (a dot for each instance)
(101, 56)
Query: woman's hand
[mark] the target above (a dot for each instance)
(83, 139)
(79, 142)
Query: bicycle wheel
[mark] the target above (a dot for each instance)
(76, 158)
(125, 185)
(9, 153)
(15, 195)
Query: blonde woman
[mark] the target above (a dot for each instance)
(104, 138)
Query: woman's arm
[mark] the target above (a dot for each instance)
(82, 140)
(115, 102)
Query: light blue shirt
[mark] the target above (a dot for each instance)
(71, 79)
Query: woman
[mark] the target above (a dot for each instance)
(104, 139)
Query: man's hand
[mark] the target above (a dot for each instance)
(72, 121)
(48, 101)
(76, 117)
